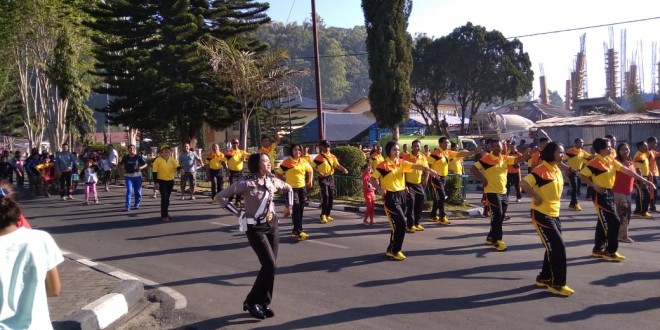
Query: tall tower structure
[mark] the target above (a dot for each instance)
(544, 89)
(579, 75)
(611, 67)
(568, 103)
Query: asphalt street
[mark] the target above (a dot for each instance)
(340, 279)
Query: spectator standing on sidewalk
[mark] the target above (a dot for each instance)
(19, 164)
(325, 164)
(28, 264)
(133, 165)
(164, 169)
(65, 164)
(214, 161)
(113, 161)
(6, 169)
(189, 161)
(90, 176)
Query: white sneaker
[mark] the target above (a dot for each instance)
(107, 189)
(63, 198)
(183, 197)
(192, 198)
(155, 195)
(517, 200)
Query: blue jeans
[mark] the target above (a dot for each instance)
(133, 184)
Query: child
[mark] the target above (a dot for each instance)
(46, 170)
(90, 176)
(107, 171)
(29, 269)
(369, 195)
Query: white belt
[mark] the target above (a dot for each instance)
(253, 221)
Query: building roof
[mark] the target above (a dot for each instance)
(300, 102)
(533, 110)
(339, 127)
(451, 120)
(650, 117)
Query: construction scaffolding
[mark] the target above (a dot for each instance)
(544, 89)
(579, 74)
(611, 67)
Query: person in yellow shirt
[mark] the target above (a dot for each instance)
(600, 173)
(376, 156)
(545, 184)
(392, 187)
(297, 172)
(427, 151)
(306, 155)
(269, 148)
(439, 162)
(455, 163)
(575, 157)
(642, 165)
(492, 169)
(405, 152)
(214, 161)
(325, 164)
(233, 163)
(164, 168)
(513, 173)
(536, 155)
(654, 156)
(415, 183)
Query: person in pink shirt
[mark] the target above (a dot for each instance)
(623, 187)
(369, 195)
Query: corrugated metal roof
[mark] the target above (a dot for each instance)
(533, 110)
(602, 120)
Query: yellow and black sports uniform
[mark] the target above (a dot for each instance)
(392, 180)
(494, 169)
(602, 171)
(375, 160)
(163, 170)
(294, 171)
(653, 165)
(415, 200)
(439, 161)
(325, 163)
(234, 159)
(456, 165)
(642, 165)
(270, 151)
(513, 176)
(576, 158)
(534, 160)
(214, 162)
(547, 181)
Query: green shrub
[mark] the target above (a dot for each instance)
(454, 189)
(352, 158)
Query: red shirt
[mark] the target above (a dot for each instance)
(367, 188)
(623, 183)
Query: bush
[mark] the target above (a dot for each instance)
(352, 158)
(454, 190)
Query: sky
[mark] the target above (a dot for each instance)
(556, 52)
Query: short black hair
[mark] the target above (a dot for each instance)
(10, 211)
(294, 146)
(253, 162)
(548, 153)
(577, 140)
(543, 139)
(652, 139)
(389, 146)
(640, 144)
(442, 139)
(599, 144)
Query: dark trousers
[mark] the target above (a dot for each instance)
(654, 194)
(439, 201)
(642, 199)
(554, 260)
(299, 195)
(513, 179)
(65, 183)
(327, 186)
(165, 188)
(414, 203)
(215, 177)
(497, 203)
(264, 239)
(395, 209)
(575, 182)
(233, 177)
(607, 228)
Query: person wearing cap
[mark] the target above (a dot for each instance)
(268, 148)
(234, 163)
(325, 164)
(188, 161)
(258, 189)
(164, 169)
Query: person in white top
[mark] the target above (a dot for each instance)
(28, 269)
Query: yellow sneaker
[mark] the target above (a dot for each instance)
(434, 218)
(411, 230)
(398, 256)
(499, 245)
(578, 207)
(444, 221)
(561, 290)
(614, 257)
(329, 218)
(419, 228)
(302, 236)
(647, 215)
(324, 218)
(389, 254)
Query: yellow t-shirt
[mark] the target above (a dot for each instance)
(653, 165)
(415, 176)
(439, 160)
(325, 163)
(235, 159)
(391, 174)
(270, 151)
(165, 169)
(494, 169)
(547, 181)
(376, 159)
(294, 171)
(455, 165)
(214, 160)
(535, 159)
(641, 162)
(576, 158)
(602, 171)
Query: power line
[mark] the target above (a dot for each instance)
(585, 27)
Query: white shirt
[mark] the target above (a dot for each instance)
(113, 157)
(26, 255)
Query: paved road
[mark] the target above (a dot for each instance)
(340, 279)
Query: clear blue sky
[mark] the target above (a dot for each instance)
(521, 17)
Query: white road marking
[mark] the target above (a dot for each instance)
(220, 224)
(329, 244)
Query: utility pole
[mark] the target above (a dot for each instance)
(317, 68)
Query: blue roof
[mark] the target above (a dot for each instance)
(339, 127)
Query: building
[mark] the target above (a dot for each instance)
(533, 110)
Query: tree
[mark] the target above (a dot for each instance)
(484, 67)
(390, 60)
(252, 78)
(555, 99)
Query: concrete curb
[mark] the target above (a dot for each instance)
(107, 309)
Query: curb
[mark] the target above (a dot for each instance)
(104, 311)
